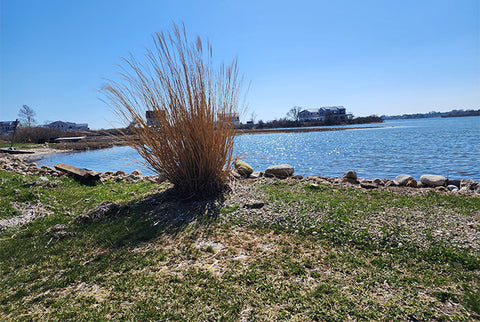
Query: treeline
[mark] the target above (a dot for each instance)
(287, 123)
(451, 113)
(35, 134)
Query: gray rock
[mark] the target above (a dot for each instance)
(243, 168)
(469, 184)
(432, 180)
(350, 174)
(235, 174)
(136, 173)
(402, 179)
(378, 181)
(452, 187)
(391, 183)
(280, 171)
(256, 174)
(464, 190)
(120, 173)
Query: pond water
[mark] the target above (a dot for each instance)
(445, 146)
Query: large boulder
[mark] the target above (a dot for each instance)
(402, 179)
(432, 180)
(243, 168)
(280, 171)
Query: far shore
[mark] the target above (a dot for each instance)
(303, 130)
(96, 140)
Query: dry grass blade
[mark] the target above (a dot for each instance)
(191, 135)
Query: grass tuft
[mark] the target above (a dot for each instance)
(190, 133)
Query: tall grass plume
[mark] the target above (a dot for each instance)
(189, 134)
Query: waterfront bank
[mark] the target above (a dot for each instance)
(269, 249)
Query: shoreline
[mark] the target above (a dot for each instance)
(25, 165)
(304, 130)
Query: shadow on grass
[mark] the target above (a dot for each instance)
(114, 225)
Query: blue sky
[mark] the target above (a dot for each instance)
(371, 56)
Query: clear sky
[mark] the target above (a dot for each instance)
(371, 56)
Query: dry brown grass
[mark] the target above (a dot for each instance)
(191, 139)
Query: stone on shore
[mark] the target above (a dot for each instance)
(432, 180)
(136, 173)
(350, 174)
(256, 175)
(280, 171)
(402, 179)
(469, 184)
(452, 188)
(243, 168)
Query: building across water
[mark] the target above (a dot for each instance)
(333, 113)
(67, 126)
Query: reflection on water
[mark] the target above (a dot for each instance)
(445, 146)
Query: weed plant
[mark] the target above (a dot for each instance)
(189, 135)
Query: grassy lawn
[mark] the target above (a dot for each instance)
(311, 253)
(19, 145)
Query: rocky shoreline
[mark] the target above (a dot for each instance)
(403, 183)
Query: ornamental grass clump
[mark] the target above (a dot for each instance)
(183, 111)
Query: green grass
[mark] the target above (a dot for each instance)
(166, 259)
(19, 145)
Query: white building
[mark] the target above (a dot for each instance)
(68, 126)
(335, 113)
(6, 127)
(230, 117)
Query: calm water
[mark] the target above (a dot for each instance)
(445, 146)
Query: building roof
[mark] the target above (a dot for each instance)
(310, 110)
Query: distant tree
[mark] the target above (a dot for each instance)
(253, 117)
(27, 115)
(294, 112)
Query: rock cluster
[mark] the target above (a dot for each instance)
(17, 165)
(282, 171)
(403, 181)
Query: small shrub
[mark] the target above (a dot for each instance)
(189, 136)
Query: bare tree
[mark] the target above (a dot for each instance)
(253, 116)
(27, 115)
(294, 112)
